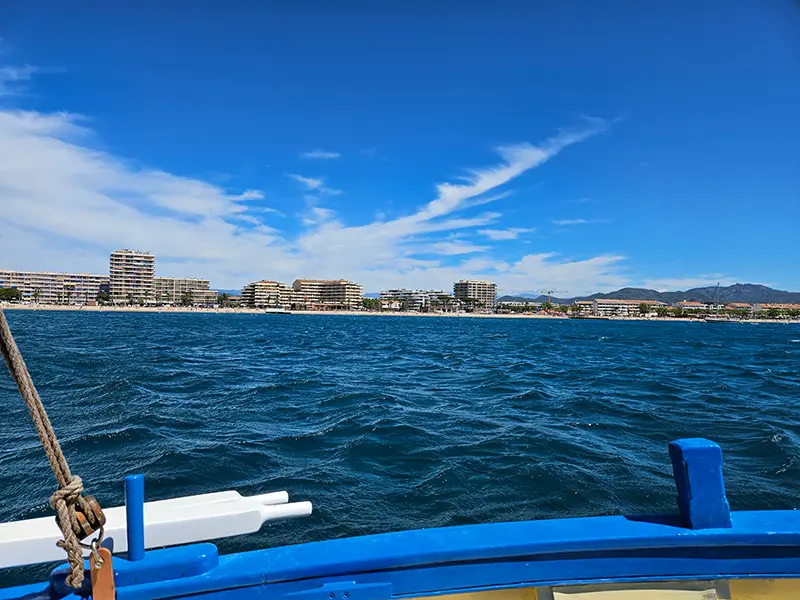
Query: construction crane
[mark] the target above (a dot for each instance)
(551, 292)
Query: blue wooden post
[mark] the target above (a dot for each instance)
(134, 515)
(697, 467)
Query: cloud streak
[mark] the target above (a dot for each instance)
(504, 234)
(320, 155)
(570, 222)
(69, 203)
(314, 184)
(13, 78)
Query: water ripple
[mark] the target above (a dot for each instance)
(389, 424)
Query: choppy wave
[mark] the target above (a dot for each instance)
(389, 424)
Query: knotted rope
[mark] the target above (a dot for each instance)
(77, 516)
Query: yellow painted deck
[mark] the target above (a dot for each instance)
(736, 589)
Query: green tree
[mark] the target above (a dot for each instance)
(547, 306)
(644, 309)
(36, 294)
(103, 297)
(223, 299)
(563, 308)
(773, 313)
(186, 299)
(58, 297)
(10, 294)
(662, 311)
(371, 303)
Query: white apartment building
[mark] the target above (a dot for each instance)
(414, 300)
(327, 293)
(131, 275)
(267, 294)
(608, 307)
(484, 292)
(204, 297)
(170, 290)
(584, 307)
(54, 288)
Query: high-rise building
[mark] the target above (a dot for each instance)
(131, 275)
(482, 292)
(172, 290)
(54, 288)
(267, 294)
(327, 293)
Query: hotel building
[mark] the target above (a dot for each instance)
(54, 288)
(483, 292)
(327, 293)
(170, 290)
(131, 275)
(267, 294)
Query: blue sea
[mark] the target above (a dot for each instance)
(397, 423)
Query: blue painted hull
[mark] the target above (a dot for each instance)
(704, 542)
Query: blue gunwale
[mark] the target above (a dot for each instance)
(475, 557)
(705, 541)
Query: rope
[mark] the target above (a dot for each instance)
(67, 500)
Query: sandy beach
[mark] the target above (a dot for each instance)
(364, 313)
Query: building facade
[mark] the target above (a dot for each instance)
(413, 300)
(55, 288)
(267, 294)
(609, 307)
(131, 275)
(205, 298)
(171, 290)
(583, 307)
(328, 294)
(483, 292)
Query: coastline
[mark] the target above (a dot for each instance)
(259, 311)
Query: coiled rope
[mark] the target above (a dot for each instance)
(77, 516)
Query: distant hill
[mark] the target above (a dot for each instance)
(738, 292)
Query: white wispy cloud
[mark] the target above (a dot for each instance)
(314, 184)
(320, 154)
(316, 215)
(68, 202)
(454, 248)
(568, 222)
(12, 78)
(504, 234)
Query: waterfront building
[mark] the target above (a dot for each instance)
(171, 290)
(205, 298)
(327, 294)
(779, 306)
(131, 275)
(413, 300)
(483, 292)
(45, 287)
(584, 307)
(267, 294)
(609, 307)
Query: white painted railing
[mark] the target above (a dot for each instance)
(166, 523)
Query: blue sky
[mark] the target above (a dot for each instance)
(581, 146)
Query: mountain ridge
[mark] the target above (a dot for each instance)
(750, 293)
